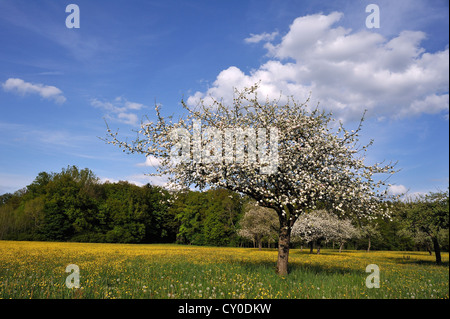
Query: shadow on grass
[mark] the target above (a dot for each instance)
(412, 261)
(407, 257)
(322, 252)
(415, 258)
(297, 267)
(321, 270)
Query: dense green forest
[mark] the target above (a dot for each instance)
(73, 205)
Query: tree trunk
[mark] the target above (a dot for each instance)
(260, 244)
(284, 239)
(340, 247)
(311, 247)
(428, 247)
(437, 250)
(368, 246)
(318, 247)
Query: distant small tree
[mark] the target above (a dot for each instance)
(319, 225)
(258, 223)
(369, 231)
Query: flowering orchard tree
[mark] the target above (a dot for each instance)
(319, 225)
(285, 156)
(258, 222)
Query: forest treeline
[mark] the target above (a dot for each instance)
(73, 205)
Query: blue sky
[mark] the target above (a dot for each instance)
(58, 85)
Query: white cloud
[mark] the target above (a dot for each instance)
(133, 105)
(431, 104)
(128, 118)
(346, 71)
(107, 106)
(406, 193)
(397, 189)
(256, 38)
(21, 87)
(120, 109)
(143, 179)
(150, 161)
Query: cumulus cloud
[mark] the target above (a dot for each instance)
(397, 190)
(150, 161)
(346, 71)
(21, 87)
(119, 109)
(431, 104)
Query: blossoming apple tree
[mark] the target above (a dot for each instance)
(320, 225)
(308, 157)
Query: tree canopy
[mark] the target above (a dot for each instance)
(74, 205)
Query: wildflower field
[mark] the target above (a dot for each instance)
(37, 270)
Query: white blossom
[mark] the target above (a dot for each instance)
(322, 225)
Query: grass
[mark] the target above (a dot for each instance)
(37, 270)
